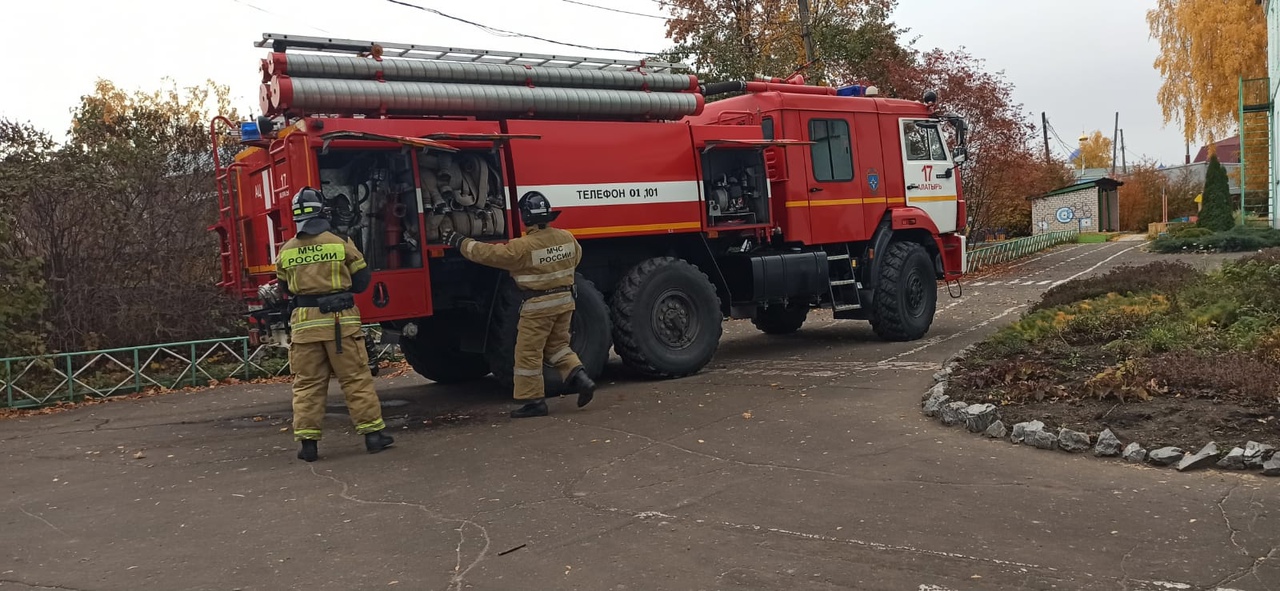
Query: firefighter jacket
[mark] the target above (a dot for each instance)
(541, 263)
(318, 265)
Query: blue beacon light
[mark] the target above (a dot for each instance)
(851, 90)
(249, 131)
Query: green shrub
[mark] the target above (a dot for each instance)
(1172, 333)
(1190, 232)
(1233, 240)
(1215, 212)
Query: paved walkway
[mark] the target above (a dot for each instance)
(792, 463)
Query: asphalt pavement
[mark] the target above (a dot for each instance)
(798, 463)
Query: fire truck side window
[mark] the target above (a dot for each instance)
(831, 151)
(766, 127)
(935, 145)
(917, 143)
(923, 144)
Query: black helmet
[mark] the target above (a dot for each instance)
(535, 210)
(309, 212)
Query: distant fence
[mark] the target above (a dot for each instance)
(32, 382)
(1003, 252)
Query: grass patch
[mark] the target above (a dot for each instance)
(1092, 237)
(1238, 239)
(1171, 355)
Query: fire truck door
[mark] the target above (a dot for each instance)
(929, 174)
(834, 201)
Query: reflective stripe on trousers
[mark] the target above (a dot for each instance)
(560, 300)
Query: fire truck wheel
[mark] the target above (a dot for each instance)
(780, 318)
(591, 335)
(907, 294)
(666, 317)
(438, 358)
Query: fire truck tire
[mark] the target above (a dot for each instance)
(666, 317)
(590, 340)
(780, 318)
(906, 294)
(438, 358)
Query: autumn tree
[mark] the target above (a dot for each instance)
(22, 294)
(1095, 152)
(1206, 46)
(1141, 196)
(118, 219)
(739, 39)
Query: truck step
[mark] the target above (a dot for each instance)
(846, 307)
(839, 282)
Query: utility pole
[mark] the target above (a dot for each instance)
(805, 34)
(1124, 166)
(1115, 137)
(1044, 122)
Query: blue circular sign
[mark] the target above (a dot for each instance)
(1064, 215)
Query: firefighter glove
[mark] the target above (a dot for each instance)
(452, 238)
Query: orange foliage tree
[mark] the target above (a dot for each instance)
(1147, 189)
(1205, 47)
(1095, 152)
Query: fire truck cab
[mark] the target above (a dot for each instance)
(783, 198)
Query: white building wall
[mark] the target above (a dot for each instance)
(1272, 8)
(1083, 214)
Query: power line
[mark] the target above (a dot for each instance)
(277, 14)
(1064, 145)
(620, 11)
(506, 33)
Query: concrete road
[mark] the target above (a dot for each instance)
(792, 463)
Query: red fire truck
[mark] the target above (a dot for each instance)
(782, 198)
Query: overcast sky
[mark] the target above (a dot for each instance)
(1078, 60)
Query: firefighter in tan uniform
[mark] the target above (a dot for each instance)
(542, 263)
(321, 271)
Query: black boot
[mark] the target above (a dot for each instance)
(533, 409)
(377, 441)
(582, 384)
(309, 452)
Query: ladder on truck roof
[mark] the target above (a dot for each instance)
(280, 43)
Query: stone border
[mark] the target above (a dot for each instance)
(985, 419)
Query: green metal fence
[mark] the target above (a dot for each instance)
(31, 382)
(1004, 252)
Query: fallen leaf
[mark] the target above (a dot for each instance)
(701, 441)
(139, 455)
(747, 415)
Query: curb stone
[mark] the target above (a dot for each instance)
(936, 404)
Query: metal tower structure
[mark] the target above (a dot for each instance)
(1255, 149)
